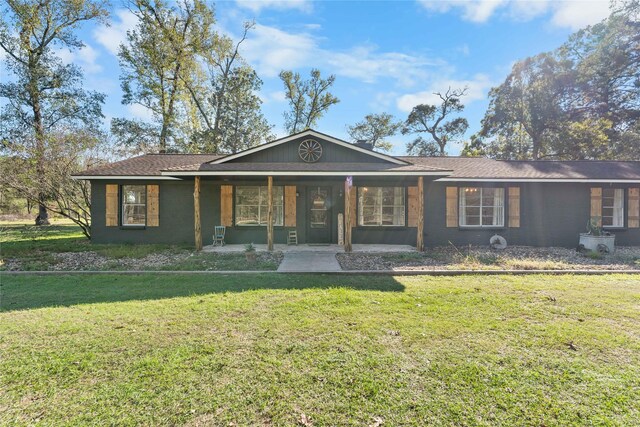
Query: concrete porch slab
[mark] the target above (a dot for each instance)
(333, 249)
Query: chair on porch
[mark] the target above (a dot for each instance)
(292, 238)
(218, 235)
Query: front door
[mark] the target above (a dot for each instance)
(319, 214)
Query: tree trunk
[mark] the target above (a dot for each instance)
(43, 214)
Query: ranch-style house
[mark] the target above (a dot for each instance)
(332, 191)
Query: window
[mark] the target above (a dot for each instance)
(481, 207)
(134, 205)
(381, 206)
(612, 207)
(252, 205)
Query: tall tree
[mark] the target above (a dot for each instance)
(158, 58)
(530, 99)
(46, 94)
(374, 129)
(225, 97)
(309, 99)
(437, 122)
(581, 101)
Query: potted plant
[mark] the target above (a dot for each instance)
(596, 239)
(250, 252)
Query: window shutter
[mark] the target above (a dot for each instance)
(354, 212)
(226, 205)
(111, 213)
(633, 202)
(452, 206)
(153, 205)
(412, 220)
(290, 206)
(596, 204)
(514, 207)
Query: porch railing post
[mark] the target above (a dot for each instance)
(196, 213)
(420, 237)
(270, 213)
(347, 215)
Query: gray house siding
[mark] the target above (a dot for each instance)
(552, 214)
(288, 152)
(176, 214)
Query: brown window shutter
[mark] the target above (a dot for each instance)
(354, 212)
(412, 214)
(290, 206)
(596, 204)
(452, 206)
(226, 205)
(514, 207)
(111, 214)
(153, 205)
(633, 203)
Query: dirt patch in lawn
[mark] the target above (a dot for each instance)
(484, 258)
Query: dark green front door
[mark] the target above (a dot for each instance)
(319, 214)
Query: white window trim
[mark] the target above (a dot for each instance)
(617, 192)
(275, 204)
(404, 209)
(123, 205)
(462, 216)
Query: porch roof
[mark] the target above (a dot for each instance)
(299, 168)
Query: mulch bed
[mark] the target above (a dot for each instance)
(485, 258)
(93, 261)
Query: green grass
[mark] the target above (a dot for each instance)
(223, 262)
(342, 350)
(36, 246)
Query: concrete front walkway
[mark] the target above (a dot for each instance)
(309, 262)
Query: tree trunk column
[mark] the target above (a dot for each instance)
(270, 213)
(196, 211)
(420, 237)
(347, 214)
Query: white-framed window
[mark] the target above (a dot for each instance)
(134, 205)
(612, 207)
(481, 207)
(381, 206)
(252, 205)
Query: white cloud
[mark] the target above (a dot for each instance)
(140, 112)
(576, 15)
(571, 14)
(112, 36)
(257, 5)
(84, 57)
(477, 89)
(271, 50)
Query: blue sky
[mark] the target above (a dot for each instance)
(386, 55)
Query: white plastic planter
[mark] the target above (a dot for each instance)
(591, 242)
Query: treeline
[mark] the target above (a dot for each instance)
(580, 101)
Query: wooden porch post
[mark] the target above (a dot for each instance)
(420, 237)
(270, 213)
(196, 211)
(347, 215)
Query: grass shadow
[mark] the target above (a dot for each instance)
(29, 292)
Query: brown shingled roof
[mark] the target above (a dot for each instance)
(454, 167)
(149, 164)
(483, 168)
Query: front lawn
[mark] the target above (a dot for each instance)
(64, 247)
(318, 350)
